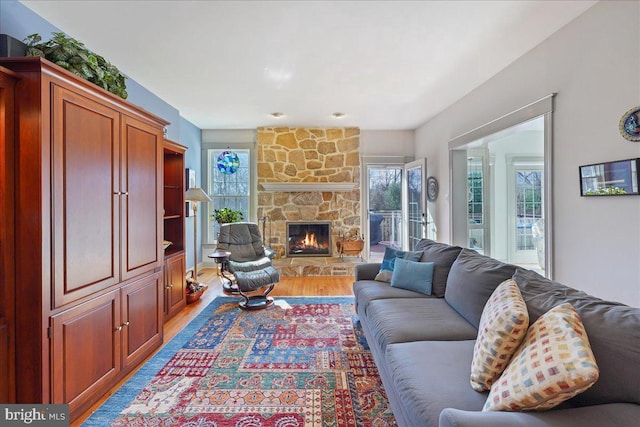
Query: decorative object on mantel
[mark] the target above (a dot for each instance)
(71, 55)
(630, 124)
(432, 189)
(349, 244)
(617, 178)
(228, 162)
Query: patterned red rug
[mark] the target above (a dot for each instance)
(303, 362)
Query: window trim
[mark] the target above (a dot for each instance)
(253, 182)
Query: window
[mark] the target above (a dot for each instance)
(528, 206)
(227, 191)
(475, 204)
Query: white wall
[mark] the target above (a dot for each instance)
(387, 143)
(594, 66)
(372, 142)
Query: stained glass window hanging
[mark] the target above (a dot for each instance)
(228, 162)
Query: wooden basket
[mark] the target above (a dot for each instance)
(195, 296)
(350, 247)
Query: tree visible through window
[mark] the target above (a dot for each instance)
(384, 189)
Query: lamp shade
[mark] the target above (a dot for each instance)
(196, 195)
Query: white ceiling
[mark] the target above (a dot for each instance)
(386, 64)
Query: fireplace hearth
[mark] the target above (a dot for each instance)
(308, 239)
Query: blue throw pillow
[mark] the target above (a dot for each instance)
(413, 276)
(389, 261)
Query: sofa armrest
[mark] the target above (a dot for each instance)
(367, 271)
(611, 414)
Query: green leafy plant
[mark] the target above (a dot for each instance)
(226, 215)
(606, 191)
(72, 55)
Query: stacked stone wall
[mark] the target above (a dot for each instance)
(321, 155)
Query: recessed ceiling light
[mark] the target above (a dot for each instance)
(277, 115)
(338, 115)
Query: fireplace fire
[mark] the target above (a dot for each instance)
(308, 239)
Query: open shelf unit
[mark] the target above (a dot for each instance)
(174, 228)
(174, 205)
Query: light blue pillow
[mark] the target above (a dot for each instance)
(389, 260)
(413, 276)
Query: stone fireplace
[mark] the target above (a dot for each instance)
(309, 175)
(308, 238)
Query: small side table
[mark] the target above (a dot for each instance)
(228, 285)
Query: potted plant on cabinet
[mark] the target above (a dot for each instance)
(72, 55)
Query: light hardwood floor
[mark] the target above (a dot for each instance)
(288, 286)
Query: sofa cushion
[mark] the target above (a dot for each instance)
(442, 256)
(389, 261)
(429, 376)
(415, 319)
(614, 335)
(472, 280)
(503, 325)
(553, 364)
(412, 275)
(611, 415)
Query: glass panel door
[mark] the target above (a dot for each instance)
(384, 209)
(526, 219)
(415, 202)
(476, 212)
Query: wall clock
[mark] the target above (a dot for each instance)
(432, 189)
(630, 124)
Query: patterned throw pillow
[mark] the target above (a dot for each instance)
(503, 325)
(553, 364)
(389, 261)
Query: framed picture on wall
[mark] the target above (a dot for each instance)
(190, 182)
(617, 178)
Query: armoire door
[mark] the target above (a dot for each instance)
(142, 318)
(85, 349)
(86, 203)
(140, 179)
(175, 272)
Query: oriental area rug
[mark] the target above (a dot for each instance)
(303, 362)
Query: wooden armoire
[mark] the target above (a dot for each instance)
(89, 293)
(8, 81)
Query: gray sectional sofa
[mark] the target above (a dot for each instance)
(423, 344)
